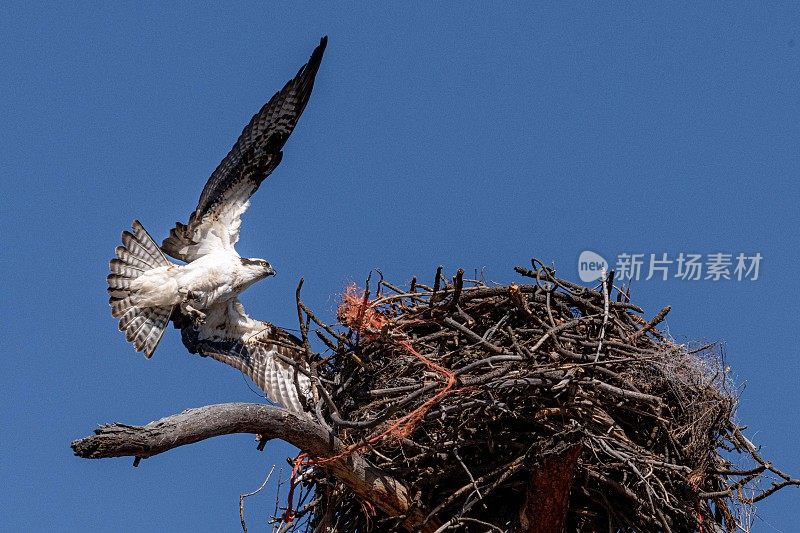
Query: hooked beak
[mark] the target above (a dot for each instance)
(271, 271)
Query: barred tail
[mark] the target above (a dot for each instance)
(143, 326)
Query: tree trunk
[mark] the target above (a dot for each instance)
(547, 501)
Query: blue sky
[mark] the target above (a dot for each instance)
(467, 137)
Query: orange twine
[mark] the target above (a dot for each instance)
(699, 521)
(357, 313)
(302, 459)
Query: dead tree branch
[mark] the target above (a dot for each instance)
(195, 425)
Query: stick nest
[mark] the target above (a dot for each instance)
(466, 391)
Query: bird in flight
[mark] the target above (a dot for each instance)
(147, 290)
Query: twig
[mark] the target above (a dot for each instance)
(461, 462)
(651, 324)
(458, 285)
(243, 496)
(605, 279)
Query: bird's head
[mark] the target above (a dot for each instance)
(257, 268)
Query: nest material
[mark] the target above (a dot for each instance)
(463, 390)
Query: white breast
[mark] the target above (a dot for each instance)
(211, 278)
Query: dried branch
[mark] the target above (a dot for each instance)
(194, 425)
(253, 493)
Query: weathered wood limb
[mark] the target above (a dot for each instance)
(547, 502)
(194, 425)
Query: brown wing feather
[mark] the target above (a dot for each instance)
(255, 348)
(254, 156)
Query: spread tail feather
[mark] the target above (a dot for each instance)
(143, 326)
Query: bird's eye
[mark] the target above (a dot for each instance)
(263, 263)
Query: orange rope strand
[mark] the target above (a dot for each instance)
(356, 313)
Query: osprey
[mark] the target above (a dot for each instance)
(201, 297)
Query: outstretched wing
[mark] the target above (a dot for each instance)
(215, 222)
(267, 354)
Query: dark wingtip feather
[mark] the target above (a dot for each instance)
(316, 55)
(310, 69)
(256, 152)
